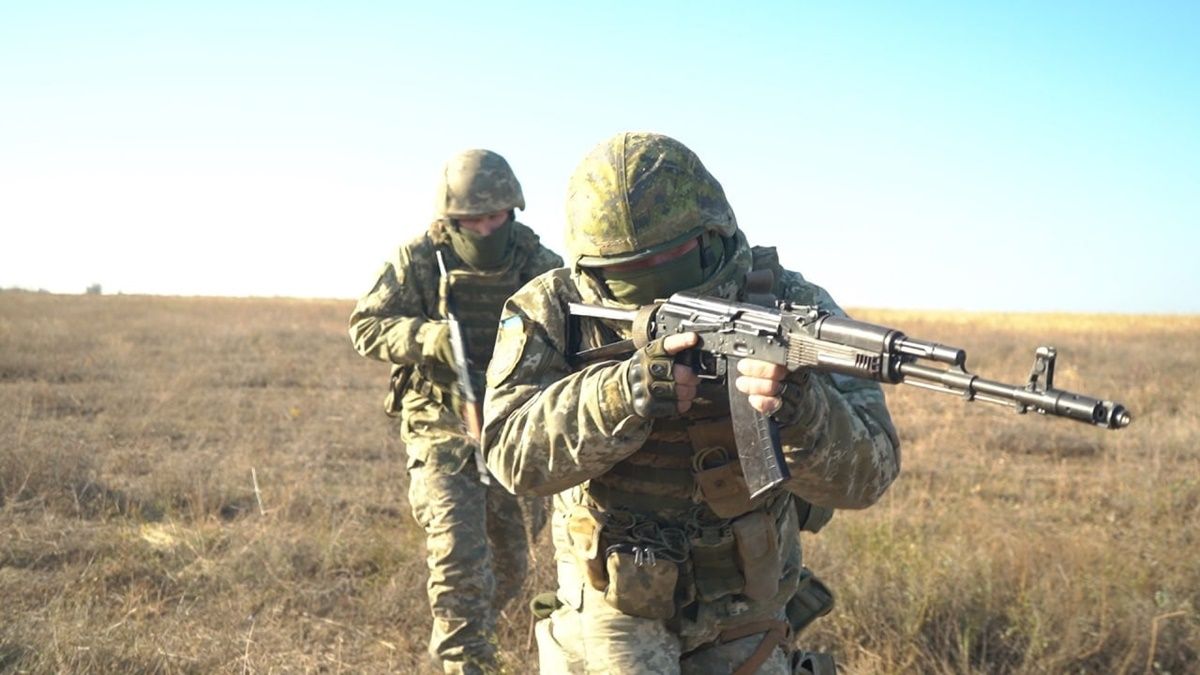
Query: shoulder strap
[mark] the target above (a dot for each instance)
(574, 339)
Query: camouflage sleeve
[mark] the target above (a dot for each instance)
(543, 260)
(388, 323)
(546, 426)
(851, 454)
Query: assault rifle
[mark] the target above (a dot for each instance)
(472, 411)
(801, 336)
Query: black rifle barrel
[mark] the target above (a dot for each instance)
(1055, 402)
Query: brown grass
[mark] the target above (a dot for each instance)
(131, 538)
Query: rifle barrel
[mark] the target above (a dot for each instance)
(1055, 402)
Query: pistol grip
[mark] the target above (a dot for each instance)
(757, 436)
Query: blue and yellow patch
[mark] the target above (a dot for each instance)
(510, 343)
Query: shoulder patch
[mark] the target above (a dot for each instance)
(510, 344)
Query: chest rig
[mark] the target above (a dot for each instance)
(681, 499)
(687, 468)
(674, 523)
(477, 297)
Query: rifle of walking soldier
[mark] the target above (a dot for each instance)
(471, 411)
(802, 336)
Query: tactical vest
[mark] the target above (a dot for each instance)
(681, 497)
(688, 461)
(477, 298)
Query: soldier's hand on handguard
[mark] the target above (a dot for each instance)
(661, 387)
(435, 342)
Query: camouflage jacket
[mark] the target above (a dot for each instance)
(390, 322)
(550, 426)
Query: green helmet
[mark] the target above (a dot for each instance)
(475, 183)
(638, 194)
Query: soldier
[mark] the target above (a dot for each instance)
(475, 533)
(665, 564)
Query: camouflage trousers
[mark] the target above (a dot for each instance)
(475, 540)
(598, 638)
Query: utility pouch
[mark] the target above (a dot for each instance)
(714, 563)
(724, 490)
(812, 600)
(584, 528)
(758, 554)
(639, 583)
(719, 480)
(811, 517)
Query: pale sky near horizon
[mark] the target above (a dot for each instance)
(1010, 156)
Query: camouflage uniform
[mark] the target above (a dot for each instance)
(661, 567)
(476, 537)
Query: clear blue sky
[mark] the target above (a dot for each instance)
(1023, 156)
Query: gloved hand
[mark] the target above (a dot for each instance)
(661, 387)
(435, 343)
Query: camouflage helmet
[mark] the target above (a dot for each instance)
(475, 183)
(638, 194)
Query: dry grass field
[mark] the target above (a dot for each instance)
(133, 431)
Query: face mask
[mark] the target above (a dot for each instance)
(481, 251)
(643, 286)
(712, 253)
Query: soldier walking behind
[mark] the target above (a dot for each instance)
(475, 533)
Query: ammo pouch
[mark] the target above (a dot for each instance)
(758, 554)
(714, 562)
(639, 583)
(738, 556)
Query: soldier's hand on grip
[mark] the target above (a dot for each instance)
(661, 387)
(435, 342)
